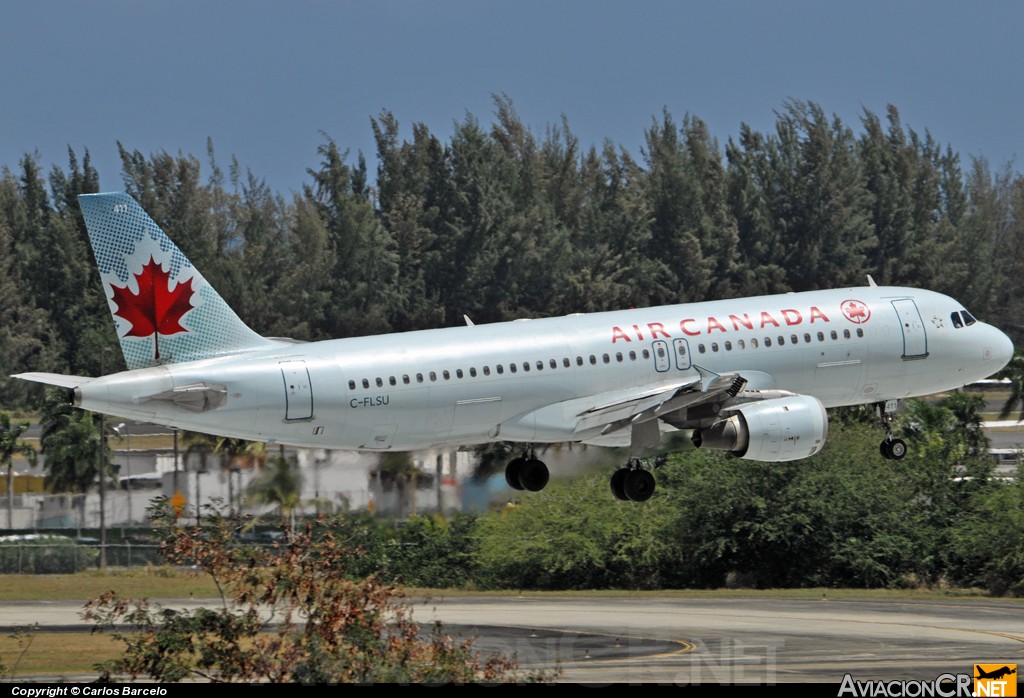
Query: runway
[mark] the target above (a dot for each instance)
(702, 641)
(695, 641)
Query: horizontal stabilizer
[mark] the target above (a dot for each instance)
(57, 379)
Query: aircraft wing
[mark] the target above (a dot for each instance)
(619, 411)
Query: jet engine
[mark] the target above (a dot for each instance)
(779, 429)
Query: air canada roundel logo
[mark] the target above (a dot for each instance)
(855, 311)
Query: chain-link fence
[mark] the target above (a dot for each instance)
(57, 555)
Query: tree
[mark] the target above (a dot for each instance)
(71, 441)
(325, 628)
(1014, 371)
(278, 484)
(10, 445)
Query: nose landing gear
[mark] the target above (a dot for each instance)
(890, 448)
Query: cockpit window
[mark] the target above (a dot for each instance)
(955, 317)
(968, 318)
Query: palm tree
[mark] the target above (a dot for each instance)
(9, 447)
(71, 441)
(279, 483)
(1015, 372)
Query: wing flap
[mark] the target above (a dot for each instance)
(635, 408)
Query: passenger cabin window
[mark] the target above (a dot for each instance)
(807, 337)
(392, 380)
(701, 348)
(860, 332)
(714, 346)
(458, 373)
(741, 344)
(753, 342)
(500, 369)
(472, 372)
(351, 385)
(618, 356)
(565, 362)
(846, 334)
(821, 336)
(579, 360)
(366, 383)
(593, 360)
(782, 340)
(512, 368)
(447, 376)
(487, 370)
(419, 377)
(405, 379)
(793, 339)
(433, 376)
(728, 346)
(380, 383)
(834, 335)
(632, 356)
(767, 341)
(607, 359)
(646, 354)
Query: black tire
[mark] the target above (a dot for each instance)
(512, 471)
(618, 484)
(639, 485)
(883, 448)
(897, 449)
(533, 475)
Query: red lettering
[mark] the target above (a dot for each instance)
(793, 317)
(618, 334)
(682, 326)
(817, 314)
(639, 334)
(766, 318)
(655, 327)
(745, 321)
(714, 324)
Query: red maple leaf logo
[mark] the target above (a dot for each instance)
(855, 311)
(155, 309)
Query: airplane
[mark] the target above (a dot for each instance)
(749, 376)
(995, 674)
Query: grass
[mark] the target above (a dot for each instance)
(62, 654)
(149, 582)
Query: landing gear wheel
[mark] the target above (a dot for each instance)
(533, 475)
(882, 448)
(619, 484)
(512, 471)
(894, 449)
(638, 485)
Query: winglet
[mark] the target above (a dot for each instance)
(163, 308)
(871, 282)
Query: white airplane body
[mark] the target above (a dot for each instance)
(752, 376)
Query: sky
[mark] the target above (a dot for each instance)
(268, 82)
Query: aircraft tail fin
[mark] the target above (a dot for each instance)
(164, 310)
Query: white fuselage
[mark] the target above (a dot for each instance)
(530, 380)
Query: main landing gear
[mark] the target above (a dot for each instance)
(890, 448)
(632, 483)
(527, 473)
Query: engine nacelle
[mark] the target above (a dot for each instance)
(780, 429)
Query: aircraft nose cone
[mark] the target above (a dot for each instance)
(999, 350)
